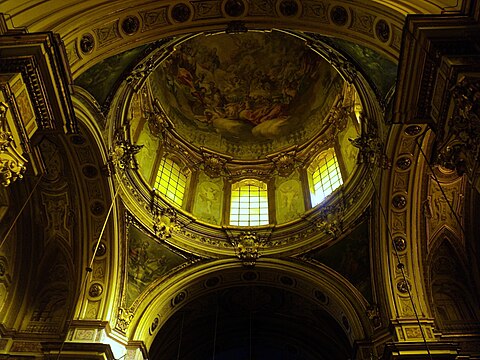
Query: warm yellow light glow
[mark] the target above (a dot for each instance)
(249, 203)
(171, 181)
(324, 176)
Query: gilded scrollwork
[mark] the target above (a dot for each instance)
(12, 165)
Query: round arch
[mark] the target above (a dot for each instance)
(321, 285)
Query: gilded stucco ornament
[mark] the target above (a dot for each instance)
(460, 151)
(125, 317)
(371, 150)
(213, 165)
(285, 163)
(12, 165)
(246, 247)
(330, 220)
(165, 222)
(373, 314)
(121, 155)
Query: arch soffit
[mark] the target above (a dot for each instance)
(321, 285)
(90, 156)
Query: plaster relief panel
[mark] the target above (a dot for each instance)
(445, 210)
(209, 199)
(57, 213)
(289, 203)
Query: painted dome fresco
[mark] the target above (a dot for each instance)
(246, 95)
(222, 115)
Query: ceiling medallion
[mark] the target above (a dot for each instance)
(399, 201)
(97, 208)
(90, 171)
(403, 286)
(130, 25)
(382, 30)
(339, 15)
(400, 243)
(179, 298)
(413, 130)
(288, 8)
(87, 43)
(212, 282)
(234, 8)
(404, 163)
(181, 12)
(101, 250)
(95, 290)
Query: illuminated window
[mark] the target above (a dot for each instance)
(249, 203)
(324, 176)
(171, 181)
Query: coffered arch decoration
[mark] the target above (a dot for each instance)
(100, 221)
(342, 302)
(100, 33)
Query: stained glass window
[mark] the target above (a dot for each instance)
(249, 203)
(171, 181)
(324, 176)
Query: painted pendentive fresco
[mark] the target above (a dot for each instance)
(246, 95)
(350, 257)
(101, 78)
(381, 72)
(147, 260)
